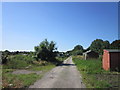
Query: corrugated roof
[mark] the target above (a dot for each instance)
(113, 50)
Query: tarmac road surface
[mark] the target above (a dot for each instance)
(63, 76)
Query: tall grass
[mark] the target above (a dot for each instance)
(91, 66)
(17, 62)
(10, 80)
(93, 75)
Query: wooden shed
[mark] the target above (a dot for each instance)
(111, 59)
(90, 55)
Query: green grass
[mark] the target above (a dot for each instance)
(89, 66)
(23, 80)
(93, 75)
(17, 62)
(42, 68)
(10, 80)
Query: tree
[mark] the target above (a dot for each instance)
(45, 50)
(98, 45)
(78, 47)
(106, 44)
(4, 56)
(78, 50)
(115, 44)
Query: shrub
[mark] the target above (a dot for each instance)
(16, 64)
(18, 61)
(46, 51)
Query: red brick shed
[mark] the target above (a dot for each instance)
(111, 59)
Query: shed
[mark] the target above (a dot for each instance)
(90, 54)
(111, 59)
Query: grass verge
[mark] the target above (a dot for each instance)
(10, 80)
(94, 76)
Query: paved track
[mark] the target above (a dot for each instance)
(64, 76)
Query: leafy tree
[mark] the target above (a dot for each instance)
(115, 44)
(78, 50)
(78, 47)
(45, 50)
(98, 45)
(106, 44)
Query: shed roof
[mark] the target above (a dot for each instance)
(89, 52)
(113, 50)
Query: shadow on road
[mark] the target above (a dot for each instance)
(67, 65)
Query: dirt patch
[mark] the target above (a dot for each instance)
(26, 72)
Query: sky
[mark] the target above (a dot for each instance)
(26, 24)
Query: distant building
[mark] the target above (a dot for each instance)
(90, 54)
(111, 59)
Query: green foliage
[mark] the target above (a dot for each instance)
(61, 58)
(78, 47)
(89, 66)
(18, 81)
(42, 68)
(115, 44)
(106, 44)
(45, 51)
(23, 80)
(93, 75)
(27, 58)
(18, 61)
(16, 64)
(78, 50)
(28, 79)
(5, 57)
(98, 45)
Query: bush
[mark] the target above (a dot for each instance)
(15, 64)
(28, 59)
(46, 51)
(18, 61)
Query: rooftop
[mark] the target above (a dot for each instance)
(113, 50)
(89, 51)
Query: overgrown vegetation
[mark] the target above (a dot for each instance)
(10, 80)
(94, 76)
(43, 59)
(18, 61)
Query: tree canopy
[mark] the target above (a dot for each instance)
(45, 50)
(78, 50)
(115, 44)
(98, 45)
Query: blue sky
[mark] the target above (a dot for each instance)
(26, 24)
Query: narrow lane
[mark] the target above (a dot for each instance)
(64, 76)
